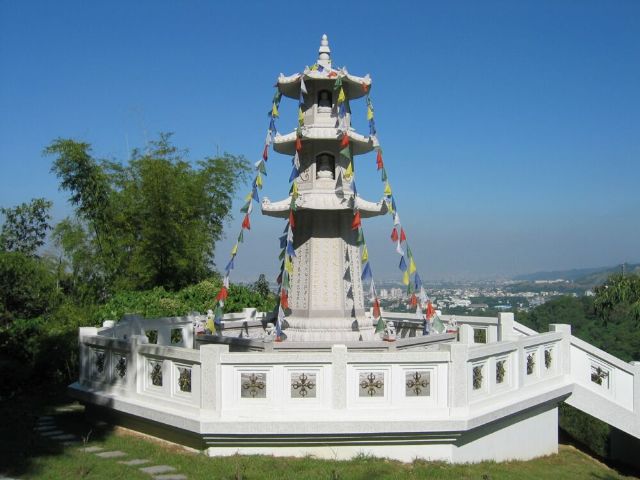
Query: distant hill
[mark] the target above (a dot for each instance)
(581, 276)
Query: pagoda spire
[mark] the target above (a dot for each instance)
(324, 52)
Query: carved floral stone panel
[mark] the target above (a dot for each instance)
(371, 384)
(303, 385)
(155, 372)
(184, 379)
(120, 367)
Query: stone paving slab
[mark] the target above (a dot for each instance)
(171, 476)
(111, 454)
(66, 436)
(52, 433)
(91, 449)
(157, 469)
(134, 462)
(45, 428)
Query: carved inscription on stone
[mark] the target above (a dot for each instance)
(300, 278)
(325, 269)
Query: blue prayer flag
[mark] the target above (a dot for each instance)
(403, 264)
(254, 194)
(366, 272)
(290, 250)
(283, 241)
(294, 174)
(418, 281)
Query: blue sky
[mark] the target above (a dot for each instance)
(511, 130)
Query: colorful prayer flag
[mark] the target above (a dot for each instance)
(366, 272)
(403, 264)
(355, 224)
(394, 235)
(387, 189)
(246, 223)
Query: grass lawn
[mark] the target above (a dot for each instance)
(25, 454)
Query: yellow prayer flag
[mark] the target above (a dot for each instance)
(259, 181)
(348, 173)
(405, 278)
(341, 96)
(369, 113)
(211, 326)
(234, 250)
(274, 111)
(295, 188)
(412, 265)
(288, 266)
(248, 197)
(300, 116)
(365, 254)
(387, 189)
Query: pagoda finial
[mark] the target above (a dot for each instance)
(324, 53)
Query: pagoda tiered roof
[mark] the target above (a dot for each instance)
(354, 86)
(360, 144)
(323, 201)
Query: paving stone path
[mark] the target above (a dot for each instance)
(46, 428)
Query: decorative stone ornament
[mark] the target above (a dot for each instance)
(371, 384)
(253, 385)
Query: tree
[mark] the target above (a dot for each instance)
(25, 226)
(154, 220)
(261, 287)
(27, 287)
(621, 294)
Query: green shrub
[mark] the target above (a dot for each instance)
(588, 430)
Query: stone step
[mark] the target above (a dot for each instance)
(91, 449)
(52, 433)
(45, 428)
(66, 436)
(134, 462)
(158, 469)
(111, 454)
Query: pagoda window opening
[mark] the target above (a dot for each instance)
(325, 166)
(325, 100)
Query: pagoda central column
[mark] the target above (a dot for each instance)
(325, 295)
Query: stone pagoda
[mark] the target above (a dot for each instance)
(326, 299)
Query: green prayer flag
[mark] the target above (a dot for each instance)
(380, 325)
(438, 326)
(384, 174)
(338, 83)
(360, 239)
(346, 152)
(241, 236)
(281, 256)
(245, 207)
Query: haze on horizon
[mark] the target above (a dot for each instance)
(511, 131)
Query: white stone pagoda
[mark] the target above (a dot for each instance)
(487, 391)
(326, 300)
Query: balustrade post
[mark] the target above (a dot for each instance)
(458, 376)
(565, 355)
(211, 377)
(339, 375)
(505, 326)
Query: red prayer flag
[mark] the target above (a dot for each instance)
(292, 220)
(246, 223)
(332, 74)
(265, 153)
(365, 87)
(284, 299)
(414, 300)
(376, 308)
(344, 142)
(356, 221)
(430, 310)
(222, 294)
(379, 162)
(394, 235)
(403, 237)
(298, 144)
